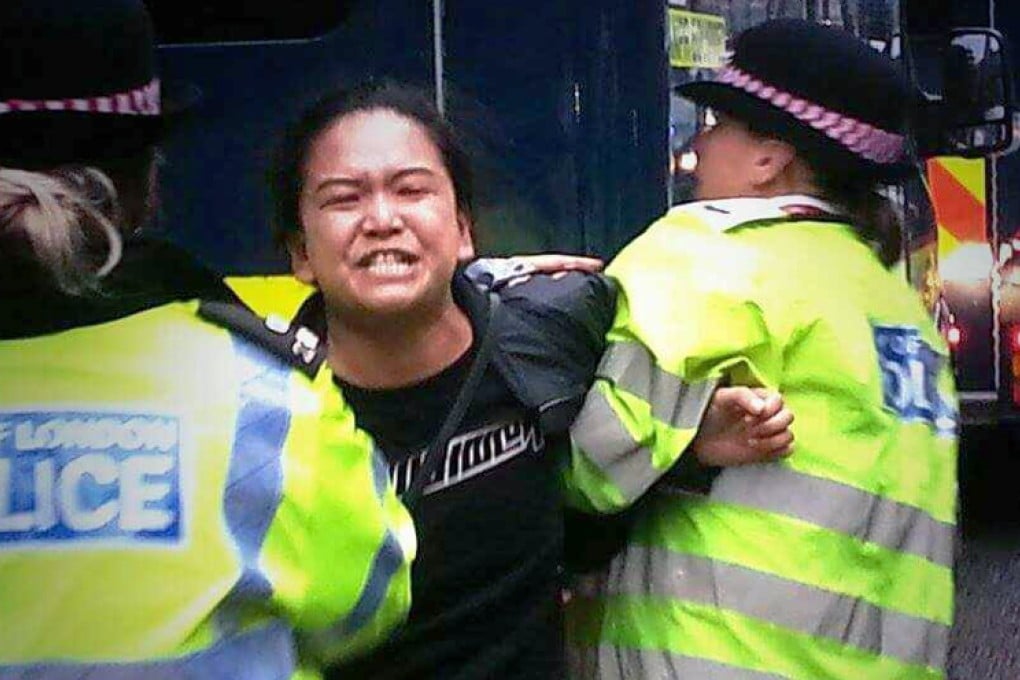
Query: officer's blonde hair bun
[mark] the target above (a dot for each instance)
(67, 218)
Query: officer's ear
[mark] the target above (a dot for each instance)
(300, 265)
(770, 162)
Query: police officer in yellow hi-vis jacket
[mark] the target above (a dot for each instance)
(836, 562)
(183, 494)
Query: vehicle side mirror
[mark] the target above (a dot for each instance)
(965, 80)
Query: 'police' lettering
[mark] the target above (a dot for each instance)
(72, 477)
(910, 374)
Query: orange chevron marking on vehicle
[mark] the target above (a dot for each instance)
(957, 209)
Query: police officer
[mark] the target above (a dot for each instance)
(837, 561)
(177, 483)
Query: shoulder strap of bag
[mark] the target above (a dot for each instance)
(433, 455)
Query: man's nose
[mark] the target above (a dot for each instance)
(383, 214)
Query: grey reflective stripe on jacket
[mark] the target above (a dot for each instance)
(266, 653)
(839, 507)
(644, 573)
(642, 570)
(656, 571)
(605, 440)
(631, 367)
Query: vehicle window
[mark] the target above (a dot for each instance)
(206, 21)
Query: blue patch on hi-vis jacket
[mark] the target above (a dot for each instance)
(910, 378)
(68, 476)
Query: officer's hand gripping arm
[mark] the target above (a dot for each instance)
(743, 425)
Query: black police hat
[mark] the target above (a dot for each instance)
(79, 79)
(842, 104)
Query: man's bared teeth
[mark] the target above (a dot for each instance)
(388, 264)
(388, 256)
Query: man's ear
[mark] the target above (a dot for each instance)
(465, 228)
(771, 160)
(300, 265)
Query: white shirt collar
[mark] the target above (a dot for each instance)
(726, 213)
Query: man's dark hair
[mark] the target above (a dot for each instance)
(286, 173)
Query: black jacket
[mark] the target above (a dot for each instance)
(549, 341)
(550, 336)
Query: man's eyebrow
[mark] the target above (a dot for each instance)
(353, 182)
(330, 182)
(413, 170)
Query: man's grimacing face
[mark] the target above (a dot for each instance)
(382, 233)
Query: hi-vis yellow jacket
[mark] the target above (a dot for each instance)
(833, 563)
(176, 502)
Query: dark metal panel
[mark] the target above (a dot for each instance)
(213, 199)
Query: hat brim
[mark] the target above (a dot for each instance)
(42, 139)
(815, 146)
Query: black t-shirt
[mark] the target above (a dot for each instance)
(486, 580)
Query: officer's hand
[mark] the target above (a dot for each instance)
(557, 264)
(496, 272)
(551, 263)
(743, 425)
